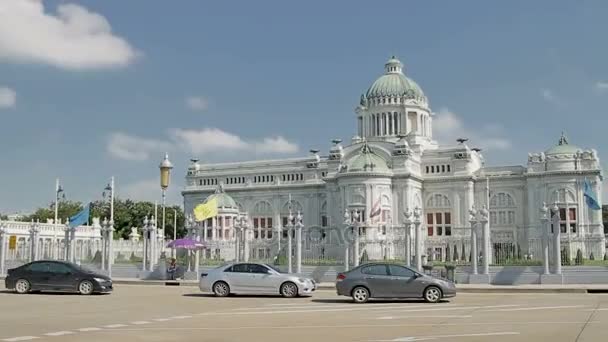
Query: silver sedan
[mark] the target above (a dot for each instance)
(252, 278)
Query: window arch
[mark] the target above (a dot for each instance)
(262, 220)
(438, 215)
(502, 209)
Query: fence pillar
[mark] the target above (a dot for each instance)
(483, 213)
(473, 251)
(418, 238)
(2, 248)
(557, 240)
(545, 226)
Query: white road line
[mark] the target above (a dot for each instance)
(112, 326)
(424, 316)
(537, 308)
(435, 337)
(354, 308)
(162, 319)
(180, 317)
(59, 333)
(140, 322)
(20, 338)
(89, 329)
(602, 309)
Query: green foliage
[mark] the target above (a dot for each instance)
(594, 262)
(591, 256)
(65, 210)
(135, 259)
(606, 256)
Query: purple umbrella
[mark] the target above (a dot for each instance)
(185, 244)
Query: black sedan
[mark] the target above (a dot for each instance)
(51, 275)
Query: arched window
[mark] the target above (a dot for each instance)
(566, 202)
(438, 215)
(502, 210)
(262, 220)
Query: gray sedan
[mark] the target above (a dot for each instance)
(382, 280)
(252, 278)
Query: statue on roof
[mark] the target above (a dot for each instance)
(220, 188)
(563, 140)
(363, 101)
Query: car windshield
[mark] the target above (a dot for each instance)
(273, 268)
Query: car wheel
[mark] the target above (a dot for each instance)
(221, 289)
(22, 286)
(432, 294)
(360, 294)
(85, 287)
(289, 290)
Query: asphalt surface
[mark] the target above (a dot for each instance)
(160, 313)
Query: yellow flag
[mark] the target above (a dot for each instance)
(206, 210)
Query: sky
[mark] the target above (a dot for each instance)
(94, 89)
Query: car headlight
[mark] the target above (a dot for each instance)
(99, 280)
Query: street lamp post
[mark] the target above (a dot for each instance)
(418, 237)
(544, 221)
(346, 237)
(299, 225)
(289, 244)
(557, 239)
(55, 245)
(165, 173)
(108, 234)
(2, 247)
(174, 252)
(408, 238)
(352, 222)
(146, 230)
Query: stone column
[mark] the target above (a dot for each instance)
(110, 246)
(145, 243)
(34, 230)
(483, 214)
(237, 244)
(557, 240)
(418, 238)
(2, 248)
(152, 244)
(245, 227)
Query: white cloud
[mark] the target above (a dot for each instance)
(197, 103)
(8, 97)
(276, 145)
(207, 140)
(601, 85)
(196, 142)
(72, 38)
(447, 127)
(549, 96)
(127, 147)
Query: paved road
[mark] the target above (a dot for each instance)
(156, 313)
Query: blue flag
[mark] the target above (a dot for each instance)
(590, 197)
(82, 217)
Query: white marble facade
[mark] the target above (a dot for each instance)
(394, 161)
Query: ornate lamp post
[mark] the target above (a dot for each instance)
(299, 225)
(346, 229)
(408, 236)
(245, 228)
(58, 191)
(34, 232)
(483, 219)
(352, 221)
(146, 231)
(2, 247)
(418, 237)
(165, 173)
(473, 220)
(70, 233)
(557, 239)
(107, 228)
(544, 221)
(237, 238)
(289, 244)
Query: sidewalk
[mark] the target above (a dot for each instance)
(462, 288)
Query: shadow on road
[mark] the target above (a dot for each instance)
(210, 295)
(373, 301)
(51, 293)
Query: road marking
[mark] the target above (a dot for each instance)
(162, 319)
(20, 338)
(89, 329)
(112, 326)
(435, 337)
(357, 308)
(424, 316)
(603, 309)
(59, 333)
(180, 317)
(140, 322)
(537, 308)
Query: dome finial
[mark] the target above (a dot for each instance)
(563, 140)
(393, 66)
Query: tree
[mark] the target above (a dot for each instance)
(65, 210)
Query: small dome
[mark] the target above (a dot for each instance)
(563, 147)
(367, 161)
(223, 199)
(394, 83)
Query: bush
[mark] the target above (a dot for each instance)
(605, 256)
(579, 257)
(591, 257)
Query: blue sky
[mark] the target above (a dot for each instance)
(92, 89)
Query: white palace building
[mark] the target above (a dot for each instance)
(393, 163)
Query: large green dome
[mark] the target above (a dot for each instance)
(223, 199)
(563, 147)
(394, 83)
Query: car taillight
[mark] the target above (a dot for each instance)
(340, 277)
